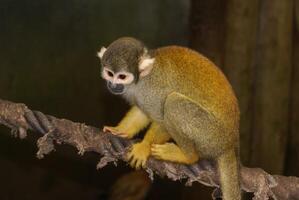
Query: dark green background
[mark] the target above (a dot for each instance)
(48, 61)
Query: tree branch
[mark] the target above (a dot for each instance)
(87, 138)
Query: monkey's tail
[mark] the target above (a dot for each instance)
(228, 166)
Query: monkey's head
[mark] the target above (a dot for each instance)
(124, 62)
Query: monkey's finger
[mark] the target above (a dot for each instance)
(156, 153)
(129, 156)
(112, 130)
(123, 135)
(133, 162)
(107, 129)
(157, 157)
(143, 163)
(104, 129)
(139, 163)
(115, 133)
(159, 145)
(156, 149)
(156, 146)
(118, 134)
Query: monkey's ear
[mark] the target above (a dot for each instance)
(146, 65)
(101, 52)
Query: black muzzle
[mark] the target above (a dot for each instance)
(115, 88)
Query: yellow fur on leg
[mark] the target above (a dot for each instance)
(141, 151)
(171, 152)
(134, 121)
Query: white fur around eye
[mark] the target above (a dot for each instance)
(129, 78)
(101, 52)
(105, 75)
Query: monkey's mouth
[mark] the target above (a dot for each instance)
(116, 88)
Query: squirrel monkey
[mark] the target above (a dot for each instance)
(184, 97)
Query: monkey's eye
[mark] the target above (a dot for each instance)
(122, 76)
(110, 73)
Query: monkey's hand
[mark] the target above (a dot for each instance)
(139, 154)
(116, 131)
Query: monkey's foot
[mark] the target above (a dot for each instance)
(171, 152)
(115, 131)
(139, 154)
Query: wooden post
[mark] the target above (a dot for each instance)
(207, 28)
(241, 28)
(272, 83)
(292, 161)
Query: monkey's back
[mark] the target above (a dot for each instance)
(196, 77)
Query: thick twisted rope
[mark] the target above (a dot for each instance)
(87, 138)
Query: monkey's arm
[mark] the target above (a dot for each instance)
(156, 135)
(133, 122)
(141, 151)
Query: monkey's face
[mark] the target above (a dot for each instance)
(124, 62)
(117, 81)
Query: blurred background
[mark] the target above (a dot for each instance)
(48, 61)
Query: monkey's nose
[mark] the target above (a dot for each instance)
(115, 88)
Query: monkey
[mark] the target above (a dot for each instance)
(183, 98)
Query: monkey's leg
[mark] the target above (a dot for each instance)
(195, 123)
(172, 152)
(141, 151)
(133, 122)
